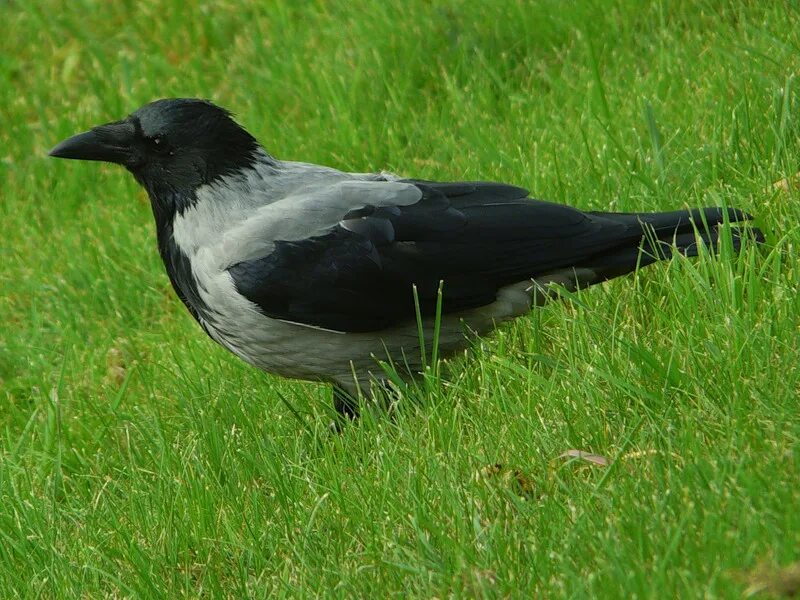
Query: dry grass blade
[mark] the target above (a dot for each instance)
(116, 367)
(595, 459)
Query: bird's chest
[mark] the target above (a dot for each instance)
(237, 324)
(230, 319)
(226, 315)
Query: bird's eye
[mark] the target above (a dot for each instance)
(159, 144)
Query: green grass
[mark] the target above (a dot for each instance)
(138, 459)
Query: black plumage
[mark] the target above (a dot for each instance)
(474, 237)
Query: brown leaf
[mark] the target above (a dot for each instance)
(777, 582)
(518, 481)
(595, 459)
(786, 184)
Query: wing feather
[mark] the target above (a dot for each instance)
(346, 259)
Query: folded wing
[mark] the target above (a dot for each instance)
(355, 274)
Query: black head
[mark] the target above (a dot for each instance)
(171, 146)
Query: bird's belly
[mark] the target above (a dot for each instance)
(348, 359)
(273, 345)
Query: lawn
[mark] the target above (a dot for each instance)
(140, 460)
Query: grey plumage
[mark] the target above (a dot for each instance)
(240, 217)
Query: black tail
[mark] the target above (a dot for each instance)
(658, 235)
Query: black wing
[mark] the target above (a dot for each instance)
(476, 237)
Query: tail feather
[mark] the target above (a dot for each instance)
(662, 234)
(680, 220)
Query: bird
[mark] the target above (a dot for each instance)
(314, 273)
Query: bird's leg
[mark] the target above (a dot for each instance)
(344, 403)
(381, 394)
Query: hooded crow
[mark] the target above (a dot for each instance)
(314, 273)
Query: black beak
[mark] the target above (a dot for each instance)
(112, 142)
